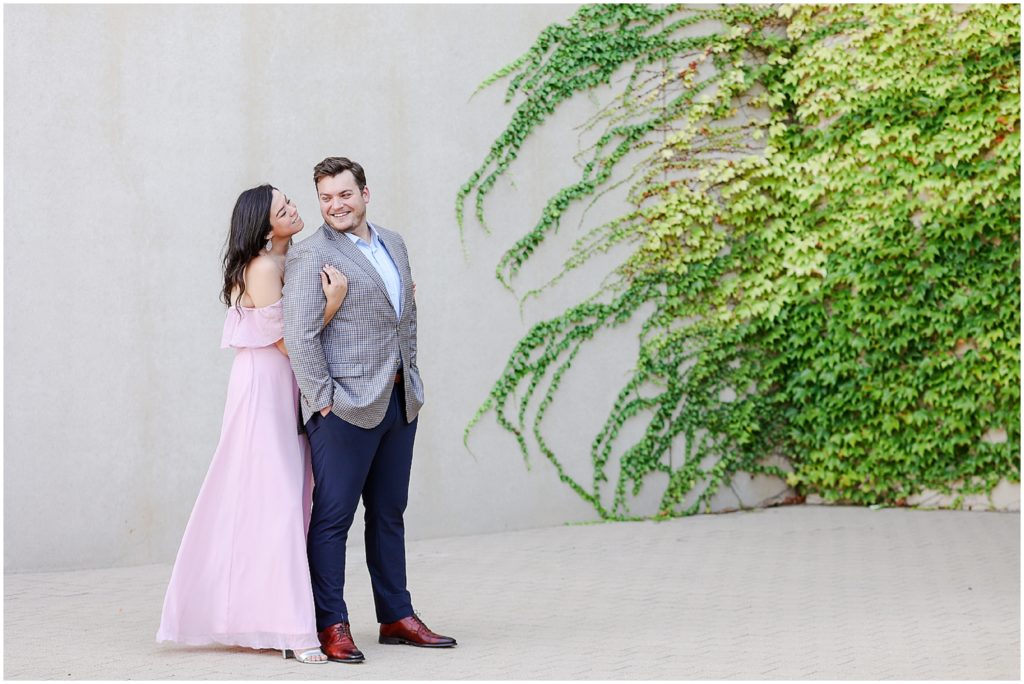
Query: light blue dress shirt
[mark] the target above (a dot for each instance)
(377, 254)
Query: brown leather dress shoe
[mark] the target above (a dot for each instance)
(336, 643)
(411, 630)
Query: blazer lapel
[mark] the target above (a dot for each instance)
(344, 245)
(401, 263)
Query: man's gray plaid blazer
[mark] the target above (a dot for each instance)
(350, 365)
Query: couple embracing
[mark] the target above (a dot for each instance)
(325, 335)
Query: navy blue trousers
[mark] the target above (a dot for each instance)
(349, 462)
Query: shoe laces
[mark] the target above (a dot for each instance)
(420, 624)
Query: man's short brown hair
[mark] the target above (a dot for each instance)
(332, 166)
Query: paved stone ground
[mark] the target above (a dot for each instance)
(805, 592)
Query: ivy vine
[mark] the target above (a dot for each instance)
(824, 243)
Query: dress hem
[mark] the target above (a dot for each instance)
(255, 641)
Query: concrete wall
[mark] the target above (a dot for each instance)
(130, 130)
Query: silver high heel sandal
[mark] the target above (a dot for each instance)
(305, 656)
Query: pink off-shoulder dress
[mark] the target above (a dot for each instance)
(241, 576)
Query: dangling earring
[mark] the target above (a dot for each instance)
(270, 244)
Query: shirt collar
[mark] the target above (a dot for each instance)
(374, 238)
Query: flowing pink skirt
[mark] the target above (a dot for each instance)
(241, 576)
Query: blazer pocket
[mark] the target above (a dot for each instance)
(345, 370)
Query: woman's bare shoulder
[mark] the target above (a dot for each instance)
(263, 266)
(263, 280)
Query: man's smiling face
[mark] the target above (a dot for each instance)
(342, 203)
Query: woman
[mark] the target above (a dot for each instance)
(241, 575)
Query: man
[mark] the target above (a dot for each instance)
(361, 393)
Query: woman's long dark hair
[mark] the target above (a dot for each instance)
(250, 225)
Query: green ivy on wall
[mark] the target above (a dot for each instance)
(824, 244)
